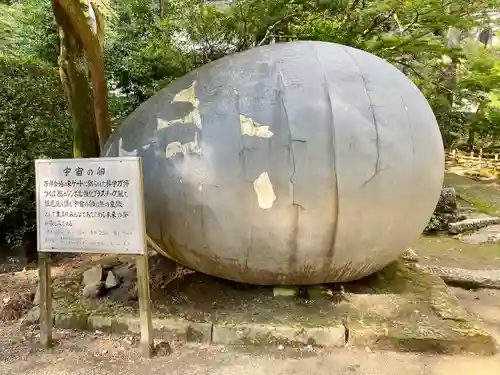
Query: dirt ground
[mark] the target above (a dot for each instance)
(86, 354)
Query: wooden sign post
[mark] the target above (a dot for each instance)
(92, 206)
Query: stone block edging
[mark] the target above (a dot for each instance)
(372, 335)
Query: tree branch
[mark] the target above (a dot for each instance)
(271, 27)
(422, 77)
(377, 21)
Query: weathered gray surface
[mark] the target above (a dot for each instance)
(94, 290)
(111, 280)
(482, 236)
(469, 225)
(446, 211)
(253, 334)
(469, 279)
(93, 275)
(410, 256)
(298, 163)
(36, 298)
(447, 201)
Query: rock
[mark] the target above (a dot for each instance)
(467, 279)
(410, 256)
(470, 225)
(31, 317)
(111, 280)
(447, 201)
(317, 291)
(99, 324)
(94, 290)
(13, 308)
(265, 334)
(93, 275)
(125, 270)
(36, 299)
(446, 211)
(72, 320)
(126, 292)
(285, 291)
(162, 348)
(487, 235)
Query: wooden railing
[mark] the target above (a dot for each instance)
(476, 160)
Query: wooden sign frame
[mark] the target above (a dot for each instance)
(45, 306)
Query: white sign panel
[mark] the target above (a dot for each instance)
(90, 205)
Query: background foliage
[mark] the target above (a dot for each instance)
(34, 123)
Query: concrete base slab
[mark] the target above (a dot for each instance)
(403, 307)
(255, 334)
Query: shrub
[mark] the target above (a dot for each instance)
(34, 123)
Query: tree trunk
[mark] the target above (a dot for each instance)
(74, 78)
(162, 4)
(448, 85)
(73, 22)
(471, 140)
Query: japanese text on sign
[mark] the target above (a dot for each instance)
(90, 205)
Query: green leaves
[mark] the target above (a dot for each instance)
(32, 30)
(148, 49)
(34, 123)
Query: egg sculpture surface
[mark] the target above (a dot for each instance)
(296, 163)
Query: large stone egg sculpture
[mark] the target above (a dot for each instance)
(297, 163)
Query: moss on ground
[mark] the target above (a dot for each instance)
(447, 251)
(484, 195)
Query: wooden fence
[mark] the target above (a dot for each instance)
(475, 160)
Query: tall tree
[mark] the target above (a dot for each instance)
(80, 57)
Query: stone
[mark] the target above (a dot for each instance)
(199, 333)
(447, 202)
(126, 272)
(72, 320)
(285, 291)
(446, 211)
(468, 279)
(14, 307)
(486, 235)
(112, 280)
(126, 292)
(94, 290)
(93, 275)
(36, 299)
(410, 256)
(162, 348)
(317, 291)
(260, 334)
(470, 225)
(32, 317)
(99, 323)
(166, 329)
(326, 337)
